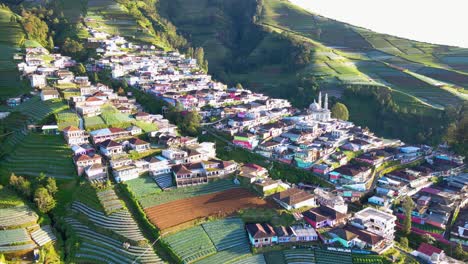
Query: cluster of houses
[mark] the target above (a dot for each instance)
(309, 139)
(369, 229)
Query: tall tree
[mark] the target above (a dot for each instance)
(408, 206)
(51, 185)
(44, 200)
(340, 111)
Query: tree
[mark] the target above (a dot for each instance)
(340, 111)
(191, 123)
(72, 47)
(239, 86)
(121, 91)
(199, 54)
(50, 43)
(427, 238)
(21, 185)
(408, 206)
(404, 242)
(44, 201)
(51, 185)
(459, 253)
(80, 69)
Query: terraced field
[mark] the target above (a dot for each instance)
(186, 192)
(67, 118)
(99, 248)
(109, 201)
(36, 153)
(191, 244)
(43, 235)
(220, 204)
(226, 233)
(143, 186)
(120, 222)
(11, 38)
(17, 216)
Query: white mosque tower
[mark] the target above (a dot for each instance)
(319, 112)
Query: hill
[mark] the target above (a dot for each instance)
(278, 48)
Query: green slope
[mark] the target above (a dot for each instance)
(11, 38)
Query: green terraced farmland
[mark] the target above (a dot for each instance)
(226, 233)
(143, 186)
(191, 244)
(14, 236)
(67, 118)
(100, 248)
(186, 192)
(37, 154)
(11, 38)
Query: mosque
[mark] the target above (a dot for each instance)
(319, 112)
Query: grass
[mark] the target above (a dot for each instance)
(37, 154)
(94, 122)
(266, 215)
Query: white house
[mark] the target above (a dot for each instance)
(376, 221)
(49, 94)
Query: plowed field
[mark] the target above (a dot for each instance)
(220, 203)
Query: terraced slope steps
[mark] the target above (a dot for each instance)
(37, 153)
(120, 222)
(299, 256)
(325, 257)
(226, 233)
(98, 248)
(228, 255)
(14, 236)
(191, 244)
(254, 259)
(16, 216)
(109, 201)
(43, 235)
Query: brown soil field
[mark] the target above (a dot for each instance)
(220, 204)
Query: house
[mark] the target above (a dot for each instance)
(376, 221)
(294, 198)
(305, 234)
(49, 94)
(379, 201)
(253, 172)
(429, 253)
(246, 140)
(189, 174)
(134, 130)
(331, 200)
(75, 136)
(321, 169)
(125, 173)
(83, 161)
(342, 236)
(285, 234)
(110, 148)
(215, 168)
(261, 235)
(95, 172)
(38, 81)
(366, 239)
(323, 216)
(111, 133)
(158, 165)
(349, 174)
(139, 145)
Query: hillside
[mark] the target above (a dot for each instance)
(278, 48)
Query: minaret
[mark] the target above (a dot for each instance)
(326, 101)
(320, 99)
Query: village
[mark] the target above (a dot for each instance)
(367, 177)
